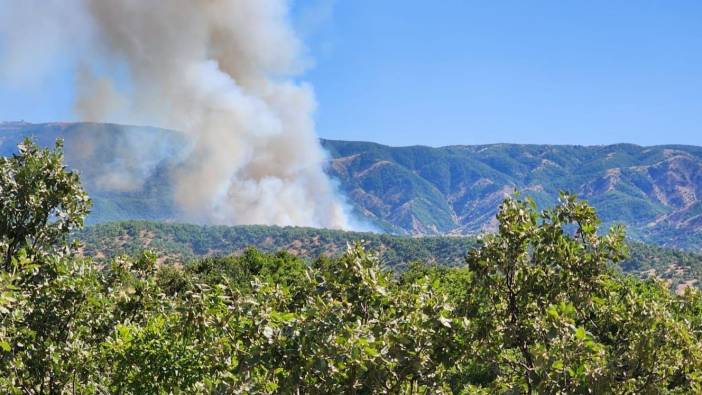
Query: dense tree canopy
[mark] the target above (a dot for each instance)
(536, 309)
(40, 200)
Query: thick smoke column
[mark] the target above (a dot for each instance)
(222, 71)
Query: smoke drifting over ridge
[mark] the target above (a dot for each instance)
(221, 71)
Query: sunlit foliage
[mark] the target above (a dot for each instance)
(537, 308)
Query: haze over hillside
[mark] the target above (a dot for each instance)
(655, 191)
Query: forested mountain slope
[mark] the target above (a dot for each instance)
(178, 243)
(182, 242)
(655, 191)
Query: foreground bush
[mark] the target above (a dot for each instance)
(536, 309)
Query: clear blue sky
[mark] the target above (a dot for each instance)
(406, 72)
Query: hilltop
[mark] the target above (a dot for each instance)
(181, 243)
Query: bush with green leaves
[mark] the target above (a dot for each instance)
(558, 318)
(40, 201)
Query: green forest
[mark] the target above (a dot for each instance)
(543, 305)
(174, 243)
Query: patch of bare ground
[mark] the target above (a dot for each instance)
(341, 164)
(680, 289)
(675, 270)
(146, 237)
(295, 248)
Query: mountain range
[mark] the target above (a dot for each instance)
(655, 191)
(418, 190)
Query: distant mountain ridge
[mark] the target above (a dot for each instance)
(655, 191)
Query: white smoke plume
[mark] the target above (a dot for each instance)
(221, 71)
